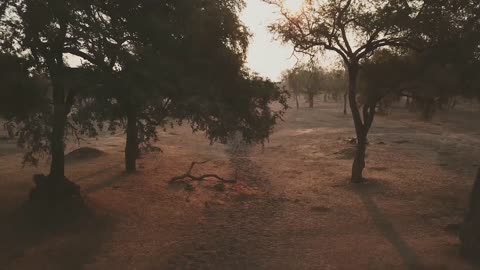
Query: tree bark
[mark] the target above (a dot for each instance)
(359, 161)
(310, 100)
(428, 109)
(57, 166)
(470, 232)
(360, 130)
(296, 100)
(131, 147)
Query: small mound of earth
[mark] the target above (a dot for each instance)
(84, 153)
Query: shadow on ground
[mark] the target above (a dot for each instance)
(51, 244)
(387, 229)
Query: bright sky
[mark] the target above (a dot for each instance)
(265, 55)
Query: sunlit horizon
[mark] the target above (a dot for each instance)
(266, 56)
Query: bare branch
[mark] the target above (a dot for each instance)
(187, 177)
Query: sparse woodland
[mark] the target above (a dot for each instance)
(75, 71)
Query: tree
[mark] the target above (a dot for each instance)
(354, 30)
(21, 93)
(40, 31)
(125, 94)
(469, 234)
(143, 62)
(305, 79)
(336, 84)
(289, 79)
(153, 73)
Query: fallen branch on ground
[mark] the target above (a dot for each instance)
(188, 176)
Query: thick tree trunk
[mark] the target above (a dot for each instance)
(345, 97)
(54, 194)
(131, 147)
(470, 232)
(57, 166)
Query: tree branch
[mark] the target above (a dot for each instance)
(188, 175)
(83, 55)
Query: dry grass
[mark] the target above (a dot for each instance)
(292, 207)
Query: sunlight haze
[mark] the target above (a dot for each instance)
(267, 56)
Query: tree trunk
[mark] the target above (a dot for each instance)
(470, 232)
(325, 97)
(453, 103)
(131, 147)
(359, 161)
(360, 130)
(310, 100)
(428, 109)
(54, 194)
(345, 97)
(296, 100)
(57, 166)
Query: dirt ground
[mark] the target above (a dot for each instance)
(291, 208)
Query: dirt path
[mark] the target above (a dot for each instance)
(292, 207)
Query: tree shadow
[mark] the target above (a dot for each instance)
(96, 173)
(60, 243)
(66, 240)
(106, 183)
(383, 224)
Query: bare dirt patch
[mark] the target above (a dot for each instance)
(292, 206)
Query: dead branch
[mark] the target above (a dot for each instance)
(188, 176)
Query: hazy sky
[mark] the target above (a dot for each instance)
(265, 55)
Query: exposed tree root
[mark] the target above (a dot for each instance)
(188, 177)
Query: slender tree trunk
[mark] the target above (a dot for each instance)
(359, 161)
(296, 100)
(131, 147)
(360, 130)
(428, 109)
(453, 103)
(345, 97)
(470, 232)
(310, 100)
(325, 97)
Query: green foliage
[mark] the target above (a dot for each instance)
(161, 62)
(308, 80)
(21, 93)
